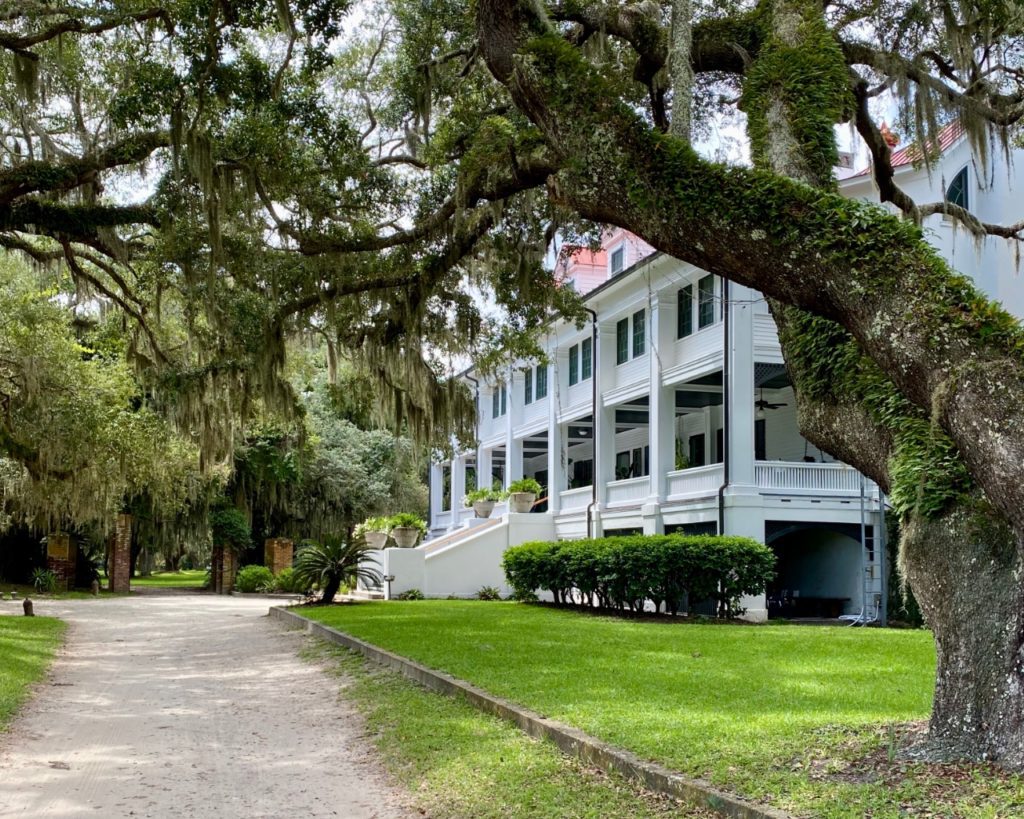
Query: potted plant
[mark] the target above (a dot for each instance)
(522, 494)
(406, 529)
(374, 531)
(483, 500)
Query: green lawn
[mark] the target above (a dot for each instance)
(25, 590)
(798, 716)
(191, 579)
(27, 645)
(458, 762)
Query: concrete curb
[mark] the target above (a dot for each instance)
(569, 740)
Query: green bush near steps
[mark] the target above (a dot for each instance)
(672, 572)
(254, 579)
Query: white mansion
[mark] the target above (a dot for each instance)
(671, 410)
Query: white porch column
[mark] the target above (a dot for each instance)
(484, 479)
(458, 487)
(556, 463)
(604, 418)
(661, 414)
(513, 448)
(741, 386)
(436, 488)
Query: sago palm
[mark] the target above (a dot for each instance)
(334, 561)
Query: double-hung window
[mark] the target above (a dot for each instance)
(496, 402)
(684, 321)
(706, 302)
(622, 341)
(639, 332)
(574, 364)
(617, 261)
(541, 386)
(527, 385)
(586, 358)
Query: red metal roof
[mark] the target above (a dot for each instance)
(912, 153)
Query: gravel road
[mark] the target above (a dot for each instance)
(187, 705)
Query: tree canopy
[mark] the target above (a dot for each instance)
(232, 176)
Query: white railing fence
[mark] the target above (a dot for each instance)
(630, 490)
(811, 479)
(696, 482)
(573, 499)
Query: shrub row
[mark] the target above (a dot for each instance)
(255, 578)
(672, 572)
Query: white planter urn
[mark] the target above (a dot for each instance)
(376, 540)
(405, 536)
(521, 501)
(483, 509)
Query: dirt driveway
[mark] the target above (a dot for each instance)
(187, 705)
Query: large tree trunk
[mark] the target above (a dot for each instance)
(965, 570)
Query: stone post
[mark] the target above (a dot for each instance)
(121, 555)
(278, 553)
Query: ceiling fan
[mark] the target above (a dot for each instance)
(761, 404)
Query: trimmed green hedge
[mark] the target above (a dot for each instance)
(671, 571)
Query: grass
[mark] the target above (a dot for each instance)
(458, 762)
(27, 645)
(804, 718)
(189, 579)
(24, 590)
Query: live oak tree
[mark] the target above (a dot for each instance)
(232, 175)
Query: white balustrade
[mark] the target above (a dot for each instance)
(630, 490)
(574, 499)
(442, 520)
(700, 481)
(809, 479)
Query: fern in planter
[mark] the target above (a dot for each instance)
(528, 485)
(410, 521)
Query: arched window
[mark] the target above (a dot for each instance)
(956, 193)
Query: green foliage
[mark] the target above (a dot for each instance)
(374, 524)
(410, 520)
(254, 579)
(229, 528)
(477, 495)
(334, 561)
(289, 581)
(488, 593)
(410, 594)
(44, 581)
(528, 485)
(627, 572)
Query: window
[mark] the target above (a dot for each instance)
(956, 193)
(684, 321)
(527, 385)
(639, 332)
(504, 399)
(541, 388)
(587, 358)
(705, 302)
(622, 342)
(582, 473)
(446, 488)
(574, 364)
(617, 260)
(623, 465)
(696, 445)
(760, 440)
(496, 402)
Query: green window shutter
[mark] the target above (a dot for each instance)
(684, 321)
(574, 364)
(495, 402)
(587, 355)
(527, 385)
(622, 342)
(639, 332)
(706, 302)
(504, 399)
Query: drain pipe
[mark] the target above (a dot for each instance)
(593, 417)
(726, 408)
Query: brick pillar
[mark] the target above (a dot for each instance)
(60, 559)
(230, 570)
(277, 553)
(223, 568)
(121, 555)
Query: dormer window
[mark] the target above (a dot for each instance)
(956, 193)
(617, 260)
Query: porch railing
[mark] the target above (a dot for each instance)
(630, 490)
(573, 499)
(700, 481)
(809, 479)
